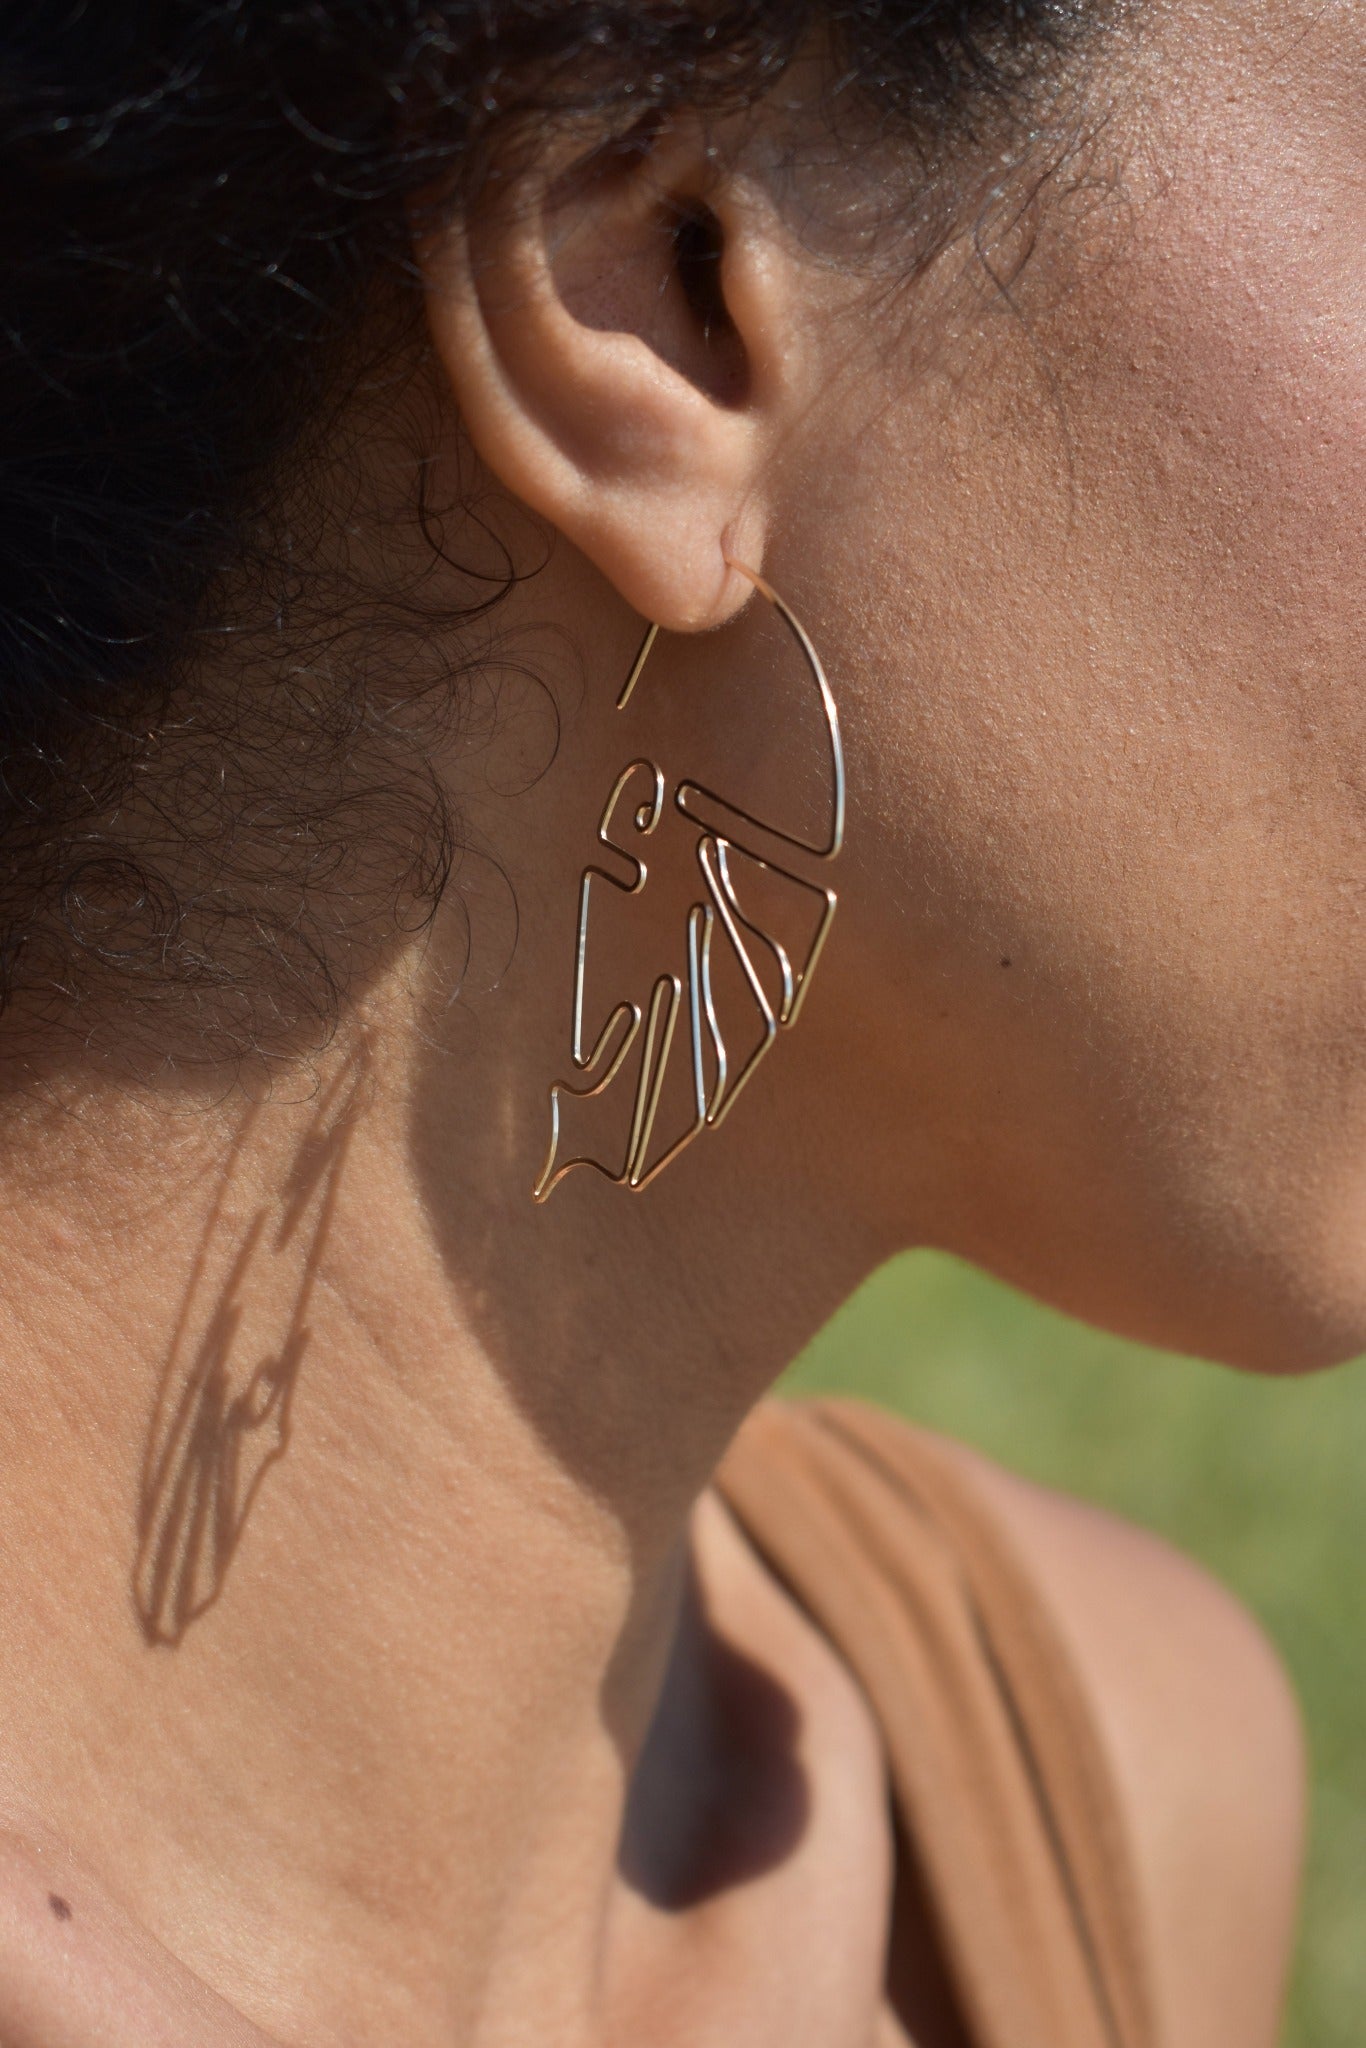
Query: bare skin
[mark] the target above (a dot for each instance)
(1087, 572)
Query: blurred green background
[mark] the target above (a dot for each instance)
(1260, 1479)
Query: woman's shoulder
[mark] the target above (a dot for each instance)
(1202, 1730)
(1092, 1686)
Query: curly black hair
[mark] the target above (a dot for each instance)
(202, 195)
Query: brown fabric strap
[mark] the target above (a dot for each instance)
(996, 1769)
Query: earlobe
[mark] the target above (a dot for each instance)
(629, 400)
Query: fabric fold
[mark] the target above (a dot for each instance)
(998, 1776)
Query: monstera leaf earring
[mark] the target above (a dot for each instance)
(748, 876)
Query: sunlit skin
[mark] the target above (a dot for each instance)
(1082, 552)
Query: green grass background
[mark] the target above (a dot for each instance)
(1261, 1479)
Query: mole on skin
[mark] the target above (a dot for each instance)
(59, 1906)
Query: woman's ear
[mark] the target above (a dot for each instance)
(622, 341)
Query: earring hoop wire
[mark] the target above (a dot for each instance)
(720, 911)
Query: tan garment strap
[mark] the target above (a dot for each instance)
(995, 1764)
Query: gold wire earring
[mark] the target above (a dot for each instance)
(733, 847)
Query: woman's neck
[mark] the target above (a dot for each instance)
(346, 1514)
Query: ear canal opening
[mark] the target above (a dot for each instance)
(699, 243)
